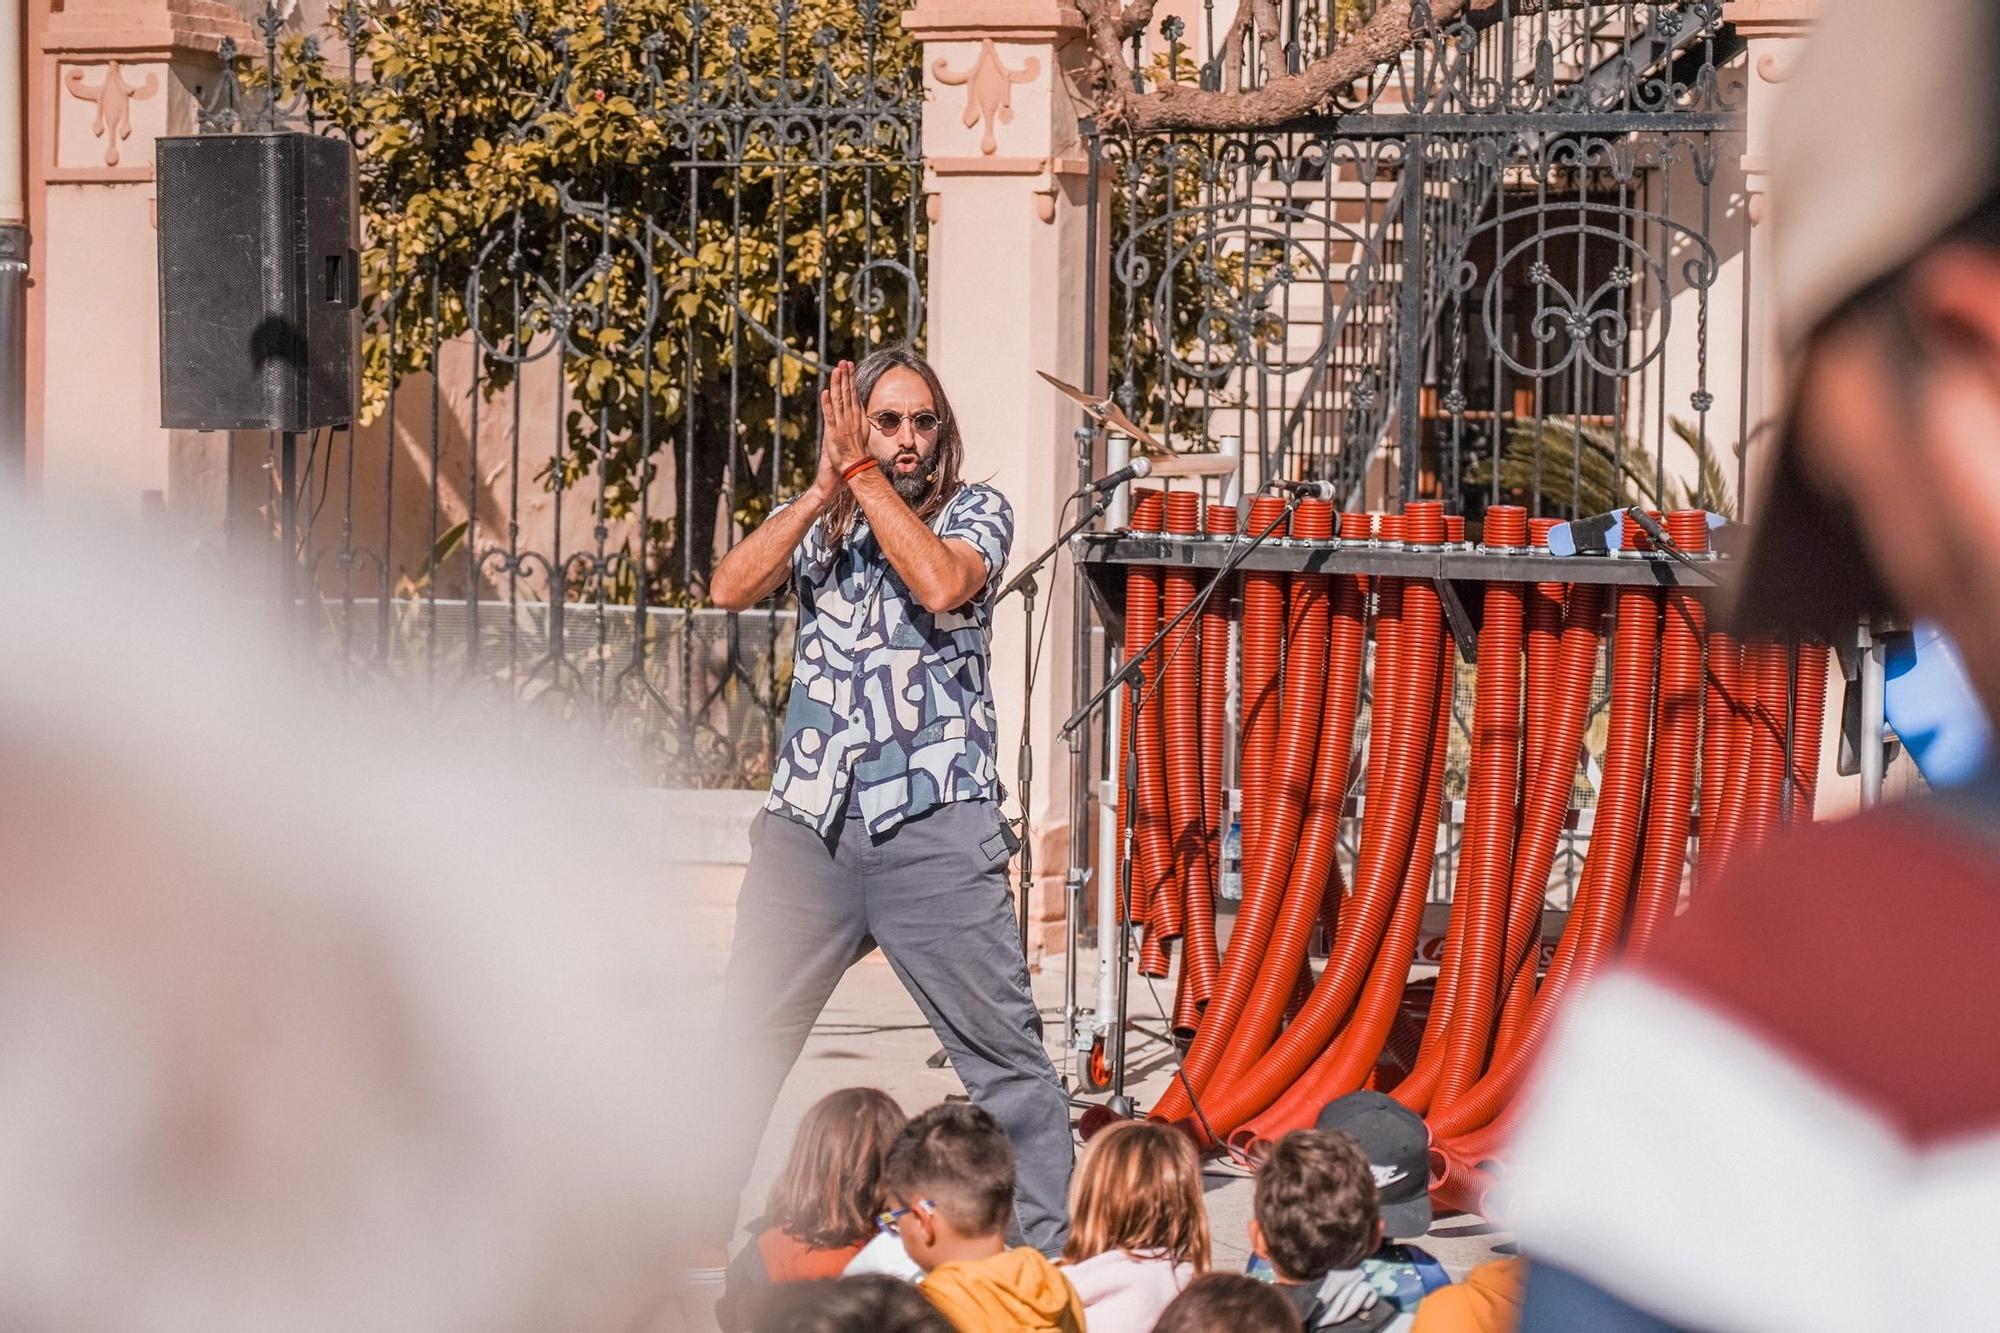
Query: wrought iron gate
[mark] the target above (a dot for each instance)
(612, 248)
(1511, 264)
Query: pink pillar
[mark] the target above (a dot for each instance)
(1006, 179)
(111, 76)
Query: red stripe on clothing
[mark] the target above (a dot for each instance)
(1869, 949)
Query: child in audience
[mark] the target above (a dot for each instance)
(1227, 1303)
(874, 1303)
(1397, 1145)
(1138, 1229)
(822, 1208)
(1314, 1218)
(950, 1179)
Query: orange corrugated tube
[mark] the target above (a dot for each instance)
(1350, 1058)
(1492, 818)
(1315, 870)
(1181, 706)
(1545, 606)
(1506, 529)
(1724, 752)
(1216, 616)
(1153, 861)
(1396, 776)
(1767, 664)
(1142, 621)
(1596, 917)
(1549, 785)
(1265, 791)
(1357, 528)
(1677, 748)
(1181, 690)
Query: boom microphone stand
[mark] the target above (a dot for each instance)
(1129, 673)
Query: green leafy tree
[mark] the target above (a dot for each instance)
(694, 207)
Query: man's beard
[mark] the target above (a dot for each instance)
(914, 486)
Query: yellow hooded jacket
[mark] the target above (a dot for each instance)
(1014, 1290)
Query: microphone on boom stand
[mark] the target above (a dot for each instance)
(1301, 490)
(1111, 481)
(1098, 496)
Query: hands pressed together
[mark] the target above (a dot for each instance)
(843, 430)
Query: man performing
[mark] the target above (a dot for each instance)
(883, 824)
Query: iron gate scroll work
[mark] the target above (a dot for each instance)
(1509, 265)
(612, 250)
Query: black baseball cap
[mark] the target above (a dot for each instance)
(1398, 1148)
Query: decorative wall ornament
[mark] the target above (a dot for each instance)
(113, 98)
(989, 89)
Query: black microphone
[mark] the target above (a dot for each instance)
(1305, 490)
(1651, 527)
(1111, 481)
(1660, 537)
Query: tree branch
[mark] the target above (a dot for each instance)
(1382, 39)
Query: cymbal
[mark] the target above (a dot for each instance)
(1106, 413)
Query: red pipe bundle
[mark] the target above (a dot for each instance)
(1345, 1064)
(1193, 914)
(1263, 796)
(1677, 729)
(1595, 918)
(1153, 856)
(1397, 768)
(1506, 529)
(1550, 783)
(1482, 894)
(1315, 870)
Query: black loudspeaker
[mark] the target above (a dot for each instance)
(259, 280)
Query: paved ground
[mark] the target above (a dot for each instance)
(872, 1034)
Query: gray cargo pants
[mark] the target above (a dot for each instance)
(933, 893)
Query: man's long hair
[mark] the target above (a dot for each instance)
(944, 460)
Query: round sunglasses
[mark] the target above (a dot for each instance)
(891, 422)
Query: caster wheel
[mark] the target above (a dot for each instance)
(1095, 1072)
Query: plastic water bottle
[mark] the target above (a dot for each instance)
(1231, 887)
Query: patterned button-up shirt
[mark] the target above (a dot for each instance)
(889, 701)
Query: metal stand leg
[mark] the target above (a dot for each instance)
(1874, 676)
(13, 357)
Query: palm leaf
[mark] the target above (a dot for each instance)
(1574, 467)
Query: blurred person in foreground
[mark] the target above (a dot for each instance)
(1787, 1117)
(302, 1030)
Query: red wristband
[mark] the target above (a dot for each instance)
(854, 469)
